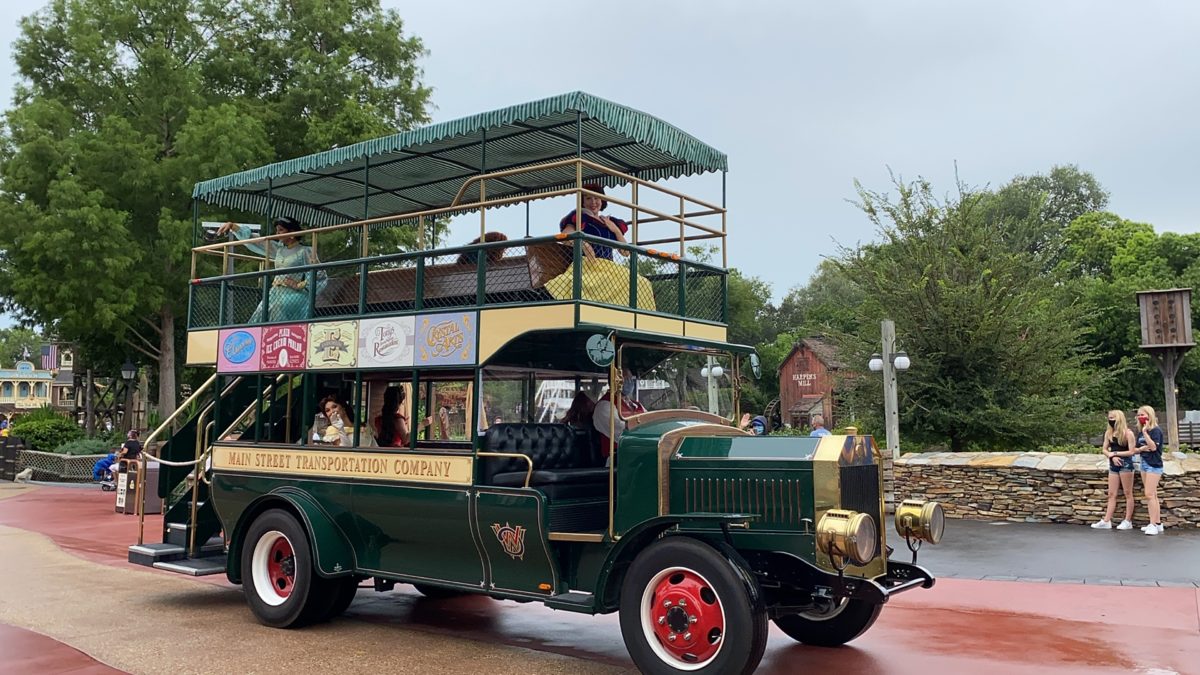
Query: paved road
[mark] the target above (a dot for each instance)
(57, 546)
(1062, 554)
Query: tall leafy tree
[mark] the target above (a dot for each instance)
(993, 341)
(124, 104)
(16, 342)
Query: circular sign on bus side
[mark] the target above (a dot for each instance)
(600, 350)
(239, 347)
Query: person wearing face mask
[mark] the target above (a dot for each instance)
(602, 415)
(1150, 447)
(1119, 449)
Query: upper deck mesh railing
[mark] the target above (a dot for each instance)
(350, 281)
(522, 272)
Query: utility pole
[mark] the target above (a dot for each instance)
(891, 404)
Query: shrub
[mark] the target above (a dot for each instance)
(41, 414)
(86, 446)
(46, 434)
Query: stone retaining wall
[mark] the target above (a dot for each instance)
(1042, 487)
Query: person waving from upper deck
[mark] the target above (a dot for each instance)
(288, 297)
(595, 223)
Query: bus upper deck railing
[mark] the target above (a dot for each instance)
(693, 221)
(535, 270)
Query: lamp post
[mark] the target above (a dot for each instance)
(712, 371)
(888, 363)
(128, 371)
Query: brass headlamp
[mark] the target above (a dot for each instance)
(921, 519)
(847, 535)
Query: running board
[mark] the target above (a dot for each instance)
(197, 567)
(575, 601)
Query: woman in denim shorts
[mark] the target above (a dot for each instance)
(1118, 448)
(1149, 446)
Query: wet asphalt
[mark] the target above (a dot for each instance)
(1056, 553)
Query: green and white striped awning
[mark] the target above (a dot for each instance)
(425, 168)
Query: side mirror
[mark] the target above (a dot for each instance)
(756, 366)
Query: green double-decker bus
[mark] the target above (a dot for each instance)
(547, 413)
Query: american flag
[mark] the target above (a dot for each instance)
(49, 357)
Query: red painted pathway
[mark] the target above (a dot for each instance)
(959, 626)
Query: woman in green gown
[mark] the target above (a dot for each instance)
(288, 298)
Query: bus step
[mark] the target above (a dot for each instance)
(150, 554)
(197, 567)
(575, 600)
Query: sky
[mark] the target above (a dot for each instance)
(806, 98)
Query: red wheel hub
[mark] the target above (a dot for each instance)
(281, 567)
(686, 616)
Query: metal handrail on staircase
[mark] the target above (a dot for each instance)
(166, 424)
(203, 453)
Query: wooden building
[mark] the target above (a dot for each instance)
(807, 380)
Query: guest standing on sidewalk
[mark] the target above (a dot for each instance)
(1150, 447)
(1119, 449)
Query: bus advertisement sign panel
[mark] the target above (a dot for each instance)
(386, 343)
(333, 344)
(238, 350)
(284, 347)
(446, 339)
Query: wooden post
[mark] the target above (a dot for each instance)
(1166, 318)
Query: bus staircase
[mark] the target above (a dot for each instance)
(191, 537)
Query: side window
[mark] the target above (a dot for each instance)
(444, 413)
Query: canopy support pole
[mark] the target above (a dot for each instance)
(724, 252)
(482, 185)
(366, 203)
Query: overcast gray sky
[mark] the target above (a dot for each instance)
(806, 97)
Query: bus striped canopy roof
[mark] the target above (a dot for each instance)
(425, 168)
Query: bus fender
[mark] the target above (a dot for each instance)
(708, 529)
(332, 554)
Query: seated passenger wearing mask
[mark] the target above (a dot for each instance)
(602, 416)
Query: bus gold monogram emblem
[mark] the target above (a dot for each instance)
(512, 539)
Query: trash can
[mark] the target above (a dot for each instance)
(127, 497)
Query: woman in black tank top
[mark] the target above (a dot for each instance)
(1118, 449)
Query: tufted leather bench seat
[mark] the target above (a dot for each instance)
(565, 465)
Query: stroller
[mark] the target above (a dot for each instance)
(105, 472)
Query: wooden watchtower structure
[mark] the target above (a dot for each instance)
(1166, 318)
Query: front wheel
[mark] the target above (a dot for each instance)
(280, 585)
(684, 608)
(842, 623)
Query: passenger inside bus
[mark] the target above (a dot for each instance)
(332, 425)
(391, 424)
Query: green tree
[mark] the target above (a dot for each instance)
(1037, 209)
(123, 105)
(14, 342)
(992, 339)
(1106, 260)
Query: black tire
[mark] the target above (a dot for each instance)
(278, 577)
(437, 592)
(732, 634)
(843, 624)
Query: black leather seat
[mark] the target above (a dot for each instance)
(565, 463)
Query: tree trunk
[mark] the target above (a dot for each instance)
(166, 362)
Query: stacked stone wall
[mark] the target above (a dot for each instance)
(1042, 487)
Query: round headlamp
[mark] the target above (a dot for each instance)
(848, 535)
(921, 519)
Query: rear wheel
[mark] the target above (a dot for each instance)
(280, 584)
(843, 622)
(684, 608)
